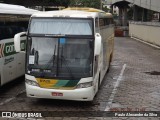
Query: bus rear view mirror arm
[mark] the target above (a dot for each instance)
(17, 41)
(98, 43)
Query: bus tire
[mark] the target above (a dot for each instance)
(99, 84)
(111, 58)
(0, 80)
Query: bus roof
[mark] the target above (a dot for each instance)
(15, 9)
(84, 9)
(74, 12)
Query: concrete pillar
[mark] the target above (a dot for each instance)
(120, 16)
(144, 15)
(124, 17)
(135, 13)
(111, 9)
(101, 4)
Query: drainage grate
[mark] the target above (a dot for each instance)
(153, 73)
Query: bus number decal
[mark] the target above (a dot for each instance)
(7, 49)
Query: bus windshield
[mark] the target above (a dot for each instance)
(61, 26)
(68, 58)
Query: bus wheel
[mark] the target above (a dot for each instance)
(99, 81)
(98, 85)
(111, 58)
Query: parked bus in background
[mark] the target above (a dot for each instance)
(68, 53)
(13, 19)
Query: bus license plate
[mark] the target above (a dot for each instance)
(57, 94)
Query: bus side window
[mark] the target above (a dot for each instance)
(96, 22)
(106, 22)
(101, 22)
(96, 25)
(112, 22)
(9, 32)
(3, 32)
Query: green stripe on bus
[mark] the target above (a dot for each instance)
(66, 83)
(72, 83)
(61, 83)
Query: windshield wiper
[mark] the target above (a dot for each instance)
(54, 54)
(52, 60)
(63, 59)
(67, 67)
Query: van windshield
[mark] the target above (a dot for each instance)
(61, 26)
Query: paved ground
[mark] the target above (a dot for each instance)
(132, 84)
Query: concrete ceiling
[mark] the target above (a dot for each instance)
(148, 4)
(37, 2)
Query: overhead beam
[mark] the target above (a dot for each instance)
(39, 2)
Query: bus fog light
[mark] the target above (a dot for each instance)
(30, 82)
(85, 85)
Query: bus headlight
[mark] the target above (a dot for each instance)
(30, 82)
(85, 85)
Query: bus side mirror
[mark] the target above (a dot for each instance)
(98, 43)
(17, 41)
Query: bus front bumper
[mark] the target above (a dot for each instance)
(82, 94)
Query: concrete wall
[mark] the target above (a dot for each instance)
(146, 31)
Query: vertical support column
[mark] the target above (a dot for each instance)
(101, 4)
(124, 17)
(43, 8)
(111, 9)
(135, 13)
(159, 17)
(120, 16)
(145, 13)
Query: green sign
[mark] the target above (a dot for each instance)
(7, 49)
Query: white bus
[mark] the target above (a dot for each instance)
(68, 53)
(13, 19)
